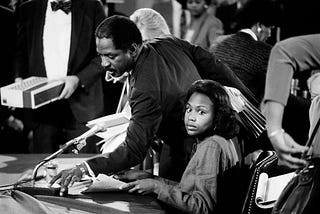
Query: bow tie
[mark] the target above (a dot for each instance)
(60, 5)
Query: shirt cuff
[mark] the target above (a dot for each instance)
(91, 173)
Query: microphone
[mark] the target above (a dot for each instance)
(95, 129)
(80, 141)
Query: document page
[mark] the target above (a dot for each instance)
(269, 189)
(104, 183)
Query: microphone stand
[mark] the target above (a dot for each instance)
(54, 155)
(80, 142)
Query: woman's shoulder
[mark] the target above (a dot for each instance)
(214, 141)
(212, 20)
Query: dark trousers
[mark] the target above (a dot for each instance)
(54, 125)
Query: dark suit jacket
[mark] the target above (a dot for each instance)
(7, 41)
(87, 101)
(163, 73)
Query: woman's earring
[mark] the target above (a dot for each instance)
(205, 6)
(259, 29)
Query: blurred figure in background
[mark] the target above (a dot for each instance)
(56, 40)
(246, 52)
(150, 23)
(226, 11)
(202, 28)
(12, 131)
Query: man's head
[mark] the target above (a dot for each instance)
(260, 16)
(150, 23)
(118, 43)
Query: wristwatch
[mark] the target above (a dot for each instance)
(82, 168)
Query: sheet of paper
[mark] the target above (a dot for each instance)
(110, 120)
(104, 183)
(269, 189)
(262, 187)
(277, 184)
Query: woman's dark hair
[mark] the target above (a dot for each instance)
(225, 122)
(121, 30)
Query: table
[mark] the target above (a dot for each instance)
(12, 166)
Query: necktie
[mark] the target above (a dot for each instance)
(60, 5)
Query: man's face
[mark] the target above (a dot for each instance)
(116, 61)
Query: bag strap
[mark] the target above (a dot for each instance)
(310, 140)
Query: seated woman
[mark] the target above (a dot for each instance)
(203, 27)
(208, 183)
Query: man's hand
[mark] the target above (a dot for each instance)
(70, 85)
(288, 150)
(15, 123)
(66, 178)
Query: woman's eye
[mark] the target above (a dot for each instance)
(201, 112)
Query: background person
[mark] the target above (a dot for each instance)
(296, 54)
(203, 27)
(60, 44)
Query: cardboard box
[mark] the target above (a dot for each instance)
(32, 92)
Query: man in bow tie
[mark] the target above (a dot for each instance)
(65, 6)
(56, 40)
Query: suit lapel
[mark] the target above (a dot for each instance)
(77, 11)
(39, 19)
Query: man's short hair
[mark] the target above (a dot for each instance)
(151, 22)
(121, 30)
(266, 12)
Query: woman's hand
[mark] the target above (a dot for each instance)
(144, 186)
(132, 175)
(289, 152)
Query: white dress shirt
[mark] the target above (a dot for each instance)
(56, 42)
(250, 32)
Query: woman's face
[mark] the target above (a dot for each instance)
(199, 114)
(196, 7)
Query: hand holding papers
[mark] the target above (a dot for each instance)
(110, 121)
(116, 125)
(269, 189)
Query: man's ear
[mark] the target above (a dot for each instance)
(133, 50)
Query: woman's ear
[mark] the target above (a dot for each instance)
(259, 27)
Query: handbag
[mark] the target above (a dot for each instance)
(266, 162)
(301, 194)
